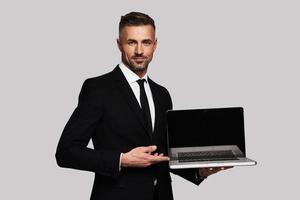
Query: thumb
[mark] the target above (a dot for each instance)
(149, 149)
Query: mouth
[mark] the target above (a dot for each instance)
(139, 59)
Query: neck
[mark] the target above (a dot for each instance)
(141, 74)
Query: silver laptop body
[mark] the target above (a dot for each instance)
(212, 137)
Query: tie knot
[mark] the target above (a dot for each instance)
(141, 82)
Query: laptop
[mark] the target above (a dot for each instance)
(212, 137)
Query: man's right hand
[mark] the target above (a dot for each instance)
(141, 157)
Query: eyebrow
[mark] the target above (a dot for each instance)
(145, 40)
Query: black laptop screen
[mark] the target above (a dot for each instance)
(206, 127)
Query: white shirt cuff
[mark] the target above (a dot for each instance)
(120, 167)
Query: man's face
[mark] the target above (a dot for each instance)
(137, 45)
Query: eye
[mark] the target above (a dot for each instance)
(147, 42)
(131, 43)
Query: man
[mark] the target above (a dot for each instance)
(123, 112)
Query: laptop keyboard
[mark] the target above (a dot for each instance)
(206, 156)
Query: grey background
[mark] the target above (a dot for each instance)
(210, 54)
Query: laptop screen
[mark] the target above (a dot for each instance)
(206, 127)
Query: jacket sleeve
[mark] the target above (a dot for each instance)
(188, 174)
(72, 150)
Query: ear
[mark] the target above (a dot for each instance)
(155, 43)
(119, 44)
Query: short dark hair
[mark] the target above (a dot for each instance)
(135, 19)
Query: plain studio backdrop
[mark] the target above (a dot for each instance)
(210, 54)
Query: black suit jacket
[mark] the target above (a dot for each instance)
(109, 114)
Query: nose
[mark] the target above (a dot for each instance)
(139, 49)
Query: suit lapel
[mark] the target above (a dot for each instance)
(157, 104)
(128, 94)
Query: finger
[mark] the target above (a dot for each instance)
(161, 154)
(205, 171)
(221, 169)
(156, 159)
(160, 158)
(224, 168)
(216, 168)
(213, 170)
(156, 154)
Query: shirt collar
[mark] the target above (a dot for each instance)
(130, 76)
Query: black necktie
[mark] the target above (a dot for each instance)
(145, 105)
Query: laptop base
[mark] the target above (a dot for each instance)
(175, 164)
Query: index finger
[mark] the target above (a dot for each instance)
(155, 159)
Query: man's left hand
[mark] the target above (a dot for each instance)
(205, 172)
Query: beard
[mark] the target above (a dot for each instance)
(138, 64)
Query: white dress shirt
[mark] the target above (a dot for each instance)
(132, 79)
